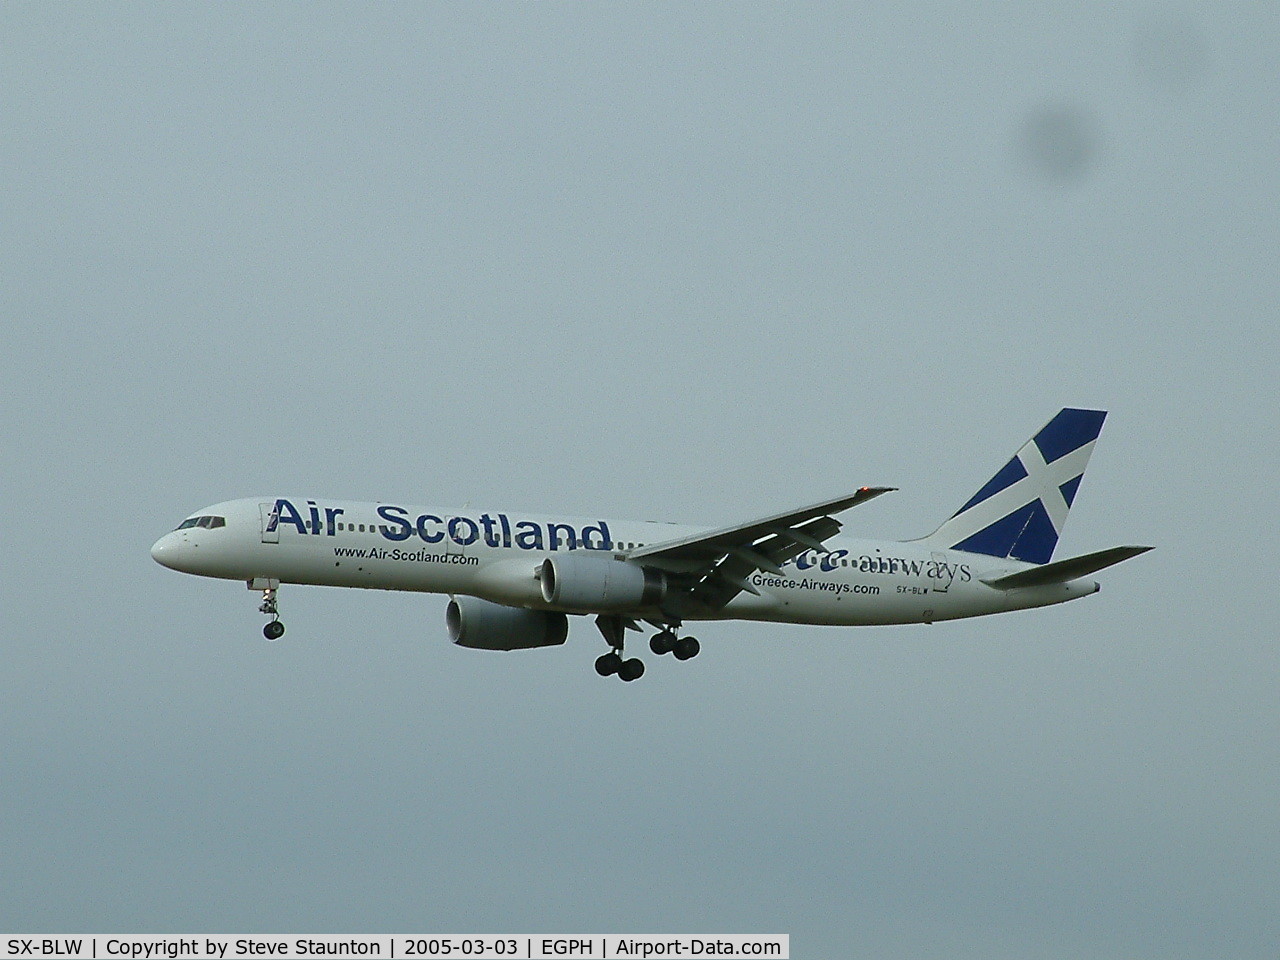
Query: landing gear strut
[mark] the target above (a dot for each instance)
(275, 629)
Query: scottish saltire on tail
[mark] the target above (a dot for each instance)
(515, 578)
(1020, 512)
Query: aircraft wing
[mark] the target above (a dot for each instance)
(718, 563)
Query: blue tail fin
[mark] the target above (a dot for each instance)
(1020, 512)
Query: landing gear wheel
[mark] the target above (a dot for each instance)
(608, 664)
(631, 670)
(687, 648)
(663, 642)
(275, 629)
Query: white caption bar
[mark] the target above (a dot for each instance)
(489, 946)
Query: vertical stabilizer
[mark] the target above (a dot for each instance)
(1020, 512)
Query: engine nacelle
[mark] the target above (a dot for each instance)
(482, 625)
(596, 584)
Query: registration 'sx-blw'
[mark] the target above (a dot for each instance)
(515, 578)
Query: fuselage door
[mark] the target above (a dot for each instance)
(270, 522)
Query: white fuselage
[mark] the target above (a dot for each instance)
(496, 555)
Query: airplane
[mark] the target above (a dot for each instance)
(514, 579)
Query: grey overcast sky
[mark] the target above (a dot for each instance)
(672, 261)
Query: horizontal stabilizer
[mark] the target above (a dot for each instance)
(1065, 570)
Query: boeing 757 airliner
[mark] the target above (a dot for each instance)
(514, 578)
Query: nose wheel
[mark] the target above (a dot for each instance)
(275, 629)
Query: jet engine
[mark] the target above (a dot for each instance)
(482, 625)
(597, 584)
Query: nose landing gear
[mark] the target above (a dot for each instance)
(275, 629)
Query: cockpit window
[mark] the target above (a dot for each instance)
(207, 522)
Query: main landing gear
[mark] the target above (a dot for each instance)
(666, 641)
(612, 629)
(684, 648)
(612, 662)
(275, 629)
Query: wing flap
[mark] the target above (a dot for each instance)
(721, 562)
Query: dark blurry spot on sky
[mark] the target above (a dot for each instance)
(1059, 142)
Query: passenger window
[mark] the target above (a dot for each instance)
(362, 528)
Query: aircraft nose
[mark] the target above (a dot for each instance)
(165, 551)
